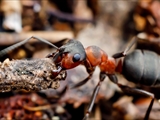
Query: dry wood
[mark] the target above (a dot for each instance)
(53, 37)
(30, 75)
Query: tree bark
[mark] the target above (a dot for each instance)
(30, 75)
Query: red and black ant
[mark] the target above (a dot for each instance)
(136, 66)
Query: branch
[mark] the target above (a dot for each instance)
(31, 75)
(53, 37)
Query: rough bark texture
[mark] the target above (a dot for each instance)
(30, 75)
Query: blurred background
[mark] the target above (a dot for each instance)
(104, 23)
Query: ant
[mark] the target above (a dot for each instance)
(136, 66)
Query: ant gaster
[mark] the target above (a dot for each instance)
(73, 54)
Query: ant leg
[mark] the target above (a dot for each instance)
(90, 71)
(113, 78)
(135, 91)
(81, 82)
(122, 54)
(62, 93)
(94, 95)
(10, 48)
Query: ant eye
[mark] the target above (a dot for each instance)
(76, 57)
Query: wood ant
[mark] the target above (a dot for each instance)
(136, 66)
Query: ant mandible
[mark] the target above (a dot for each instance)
(73, 54)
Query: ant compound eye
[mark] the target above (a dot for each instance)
(76, 57)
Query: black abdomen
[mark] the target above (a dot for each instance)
(142, 67)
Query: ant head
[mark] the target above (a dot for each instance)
(70, 55)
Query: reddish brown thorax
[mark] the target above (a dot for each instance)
(108, 66)
(98, 57)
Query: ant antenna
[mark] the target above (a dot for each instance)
(10, 48)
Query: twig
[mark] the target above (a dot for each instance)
(38, 108)
(31, 75)
(53, 37)
(68, 17)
